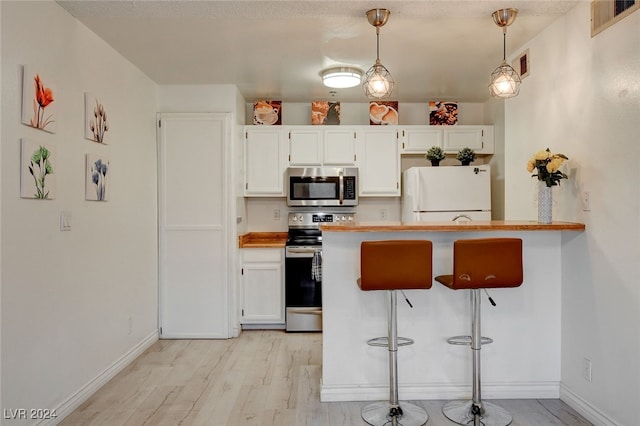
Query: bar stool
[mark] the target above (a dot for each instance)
(394, 265)
(478, 265)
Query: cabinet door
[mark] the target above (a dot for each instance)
(418, 140)
(379, 163)
(262, 286)
(478, 138)
(264, 165)
(305, 147)
(339, 147)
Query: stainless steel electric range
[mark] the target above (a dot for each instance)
(303, 267)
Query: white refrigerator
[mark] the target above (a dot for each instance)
(446, 193)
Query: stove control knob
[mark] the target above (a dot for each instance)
(343, 218)
(350, 218)
(295, 218)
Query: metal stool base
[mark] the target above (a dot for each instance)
(461, 412)
(378, 414)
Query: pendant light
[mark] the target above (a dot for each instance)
(505, 81)
(378, 82)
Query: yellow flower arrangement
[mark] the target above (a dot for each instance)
(547, 166)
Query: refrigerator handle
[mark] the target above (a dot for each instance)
(460, 218)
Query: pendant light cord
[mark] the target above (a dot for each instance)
(377, 44)
(504, 44)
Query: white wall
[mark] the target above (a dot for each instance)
(75, 304)
(583, 99)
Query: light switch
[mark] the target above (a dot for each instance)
(65, 221)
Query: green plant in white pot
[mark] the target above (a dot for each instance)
(435, 154)
(466, 156)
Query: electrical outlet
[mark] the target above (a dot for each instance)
(586, 369)
(382, 214)
(586, 201)
(276, 214)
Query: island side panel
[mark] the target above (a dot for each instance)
(523, 362)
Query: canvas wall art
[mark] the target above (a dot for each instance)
(38, 99)
(267, 112)
(37, 170)
(324, 112)
(443, 113)
(383, 112)
(96, 124)
(98, 175)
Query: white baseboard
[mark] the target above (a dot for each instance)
(75, 400)
(586, 410)
(440, 391)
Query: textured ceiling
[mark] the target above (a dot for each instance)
(434, 49)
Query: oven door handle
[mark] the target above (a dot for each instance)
(297, 252)
(341, 179)
(305, 311)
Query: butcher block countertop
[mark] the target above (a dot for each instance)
(493, 225)
(262, 240)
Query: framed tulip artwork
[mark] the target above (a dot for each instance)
(98, 174)
(96, 124)
(38, 170)
(38, 99)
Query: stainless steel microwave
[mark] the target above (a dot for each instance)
(322, 186)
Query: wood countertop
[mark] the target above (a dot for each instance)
(493, 225)
(262, 240)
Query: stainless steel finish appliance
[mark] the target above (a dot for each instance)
(303, 268)
(322, 186)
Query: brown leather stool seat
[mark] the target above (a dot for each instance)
(480, 264)
(394, 265)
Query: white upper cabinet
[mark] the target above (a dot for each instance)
(265, 161)
(305, 146)
(313, 146)
(378, 162)
(478, 138)
(339, 147)
(418, 139)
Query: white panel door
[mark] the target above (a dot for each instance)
(193, 196)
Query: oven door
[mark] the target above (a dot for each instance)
(303, 288)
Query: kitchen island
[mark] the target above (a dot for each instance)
(523, 361)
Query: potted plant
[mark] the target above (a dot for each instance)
(435, 154)
(466, 156)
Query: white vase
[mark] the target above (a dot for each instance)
(545, 202)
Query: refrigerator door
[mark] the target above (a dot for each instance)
(451, 188)
(457, 217)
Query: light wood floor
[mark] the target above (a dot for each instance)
(261, 378)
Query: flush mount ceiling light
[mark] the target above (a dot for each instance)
(505, 81)
(341, 77)
(378, 82)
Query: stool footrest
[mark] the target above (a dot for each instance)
(466, 340)
(384, 341)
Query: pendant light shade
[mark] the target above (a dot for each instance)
(341, 77)
(378, 83)
(505, 81)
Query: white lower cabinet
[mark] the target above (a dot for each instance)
(262, 287)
